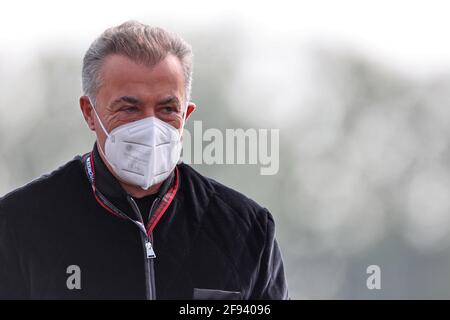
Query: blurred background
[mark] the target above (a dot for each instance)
(360, 91)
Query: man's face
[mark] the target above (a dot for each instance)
(130, 91)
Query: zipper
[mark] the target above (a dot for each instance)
(149, 252)
(146, 237)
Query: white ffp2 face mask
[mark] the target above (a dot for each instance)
(143, 152)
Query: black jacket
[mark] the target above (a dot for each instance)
(210, 241)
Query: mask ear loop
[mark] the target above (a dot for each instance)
(184, 120)
(101, 125)
(98, 118)
(182, 130)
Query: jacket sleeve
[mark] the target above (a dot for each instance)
(271, 282)
(11, 280)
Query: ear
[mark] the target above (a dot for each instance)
(191, 108)
(86, 109)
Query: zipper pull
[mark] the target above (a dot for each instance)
(149, 248)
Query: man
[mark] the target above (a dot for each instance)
(128, 220)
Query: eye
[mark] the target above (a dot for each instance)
(129, 109)
(168, 109)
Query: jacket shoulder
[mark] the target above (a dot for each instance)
(228, 199)
(41, 189)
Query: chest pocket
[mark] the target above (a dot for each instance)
(212, 294)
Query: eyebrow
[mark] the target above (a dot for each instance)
(169, 99)
(128, 99)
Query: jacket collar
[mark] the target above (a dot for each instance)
(105, 182)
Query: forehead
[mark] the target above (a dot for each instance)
(122, 76)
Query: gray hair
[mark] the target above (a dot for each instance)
(140, 43)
